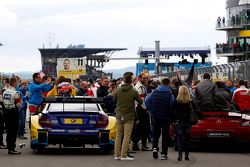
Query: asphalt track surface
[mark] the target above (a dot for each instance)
(206, 155)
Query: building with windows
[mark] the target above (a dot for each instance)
(237, 27)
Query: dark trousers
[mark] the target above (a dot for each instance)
(141, 126)
(1, 127)
(12, 123)
(161, 126)
(183, 137)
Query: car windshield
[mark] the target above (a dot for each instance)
(73, 107)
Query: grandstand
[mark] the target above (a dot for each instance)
(96, 58)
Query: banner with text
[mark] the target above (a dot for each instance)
(71, 67)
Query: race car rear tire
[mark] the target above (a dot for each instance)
(40, 150)
(106, 148)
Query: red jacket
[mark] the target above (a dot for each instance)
(241, 98)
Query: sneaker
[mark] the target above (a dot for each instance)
(164, 157)
(22, 137)
(135, 148)
(127, 159)
(117, 158)
(155, 153)
(2, 146)
(145, 148)
(187, 158)
(14, 152)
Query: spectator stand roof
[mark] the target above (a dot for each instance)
(96, 57)
(77, 52)
(174, 51)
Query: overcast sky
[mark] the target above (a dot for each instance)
(103, 23)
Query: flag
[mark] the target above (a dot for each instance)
(189, 79)
(188, 83)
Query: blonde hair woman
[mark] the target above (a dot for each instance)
(182, 106)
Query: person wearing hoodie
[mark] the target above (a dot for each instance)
(125, 96)
(160, 105)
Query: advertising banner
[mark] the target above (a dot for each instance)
(219, 76)
(71, 67)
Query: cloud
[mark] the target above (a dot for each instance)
(7, 18)
(44, 2)
(109, 23)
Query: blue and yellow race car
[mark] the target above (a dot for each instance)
(73, 122)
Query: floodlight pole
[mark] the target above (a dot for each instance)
(157, 57)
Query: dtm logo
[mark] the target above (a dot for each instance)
(7, 96)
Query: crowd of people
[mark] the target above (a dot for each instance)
(234, 47)
(144, 108)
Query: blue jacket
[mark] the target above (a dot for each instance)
(160, 103)
(24, 98)
(36, 90)
(231, 89)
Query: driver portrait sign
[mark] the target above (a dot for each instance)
(71, 67)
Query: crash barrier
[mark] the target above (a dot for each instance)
(231, 71)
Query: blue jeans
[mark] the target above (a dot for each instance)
(183, 137)
(22, 119)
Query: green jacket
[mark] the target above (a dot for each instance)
(125, 97)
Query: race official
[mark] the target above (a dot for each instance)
(12, 103)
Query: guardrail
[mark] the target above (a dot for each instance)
(232, 71)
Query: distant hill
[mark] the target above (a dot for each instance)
(22, 74)
(117, 73)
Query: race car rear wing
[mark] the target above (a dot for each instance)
(77, 99)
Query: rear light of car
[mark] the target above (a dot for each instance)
(246, 123)
(102, 121)
(44, 121)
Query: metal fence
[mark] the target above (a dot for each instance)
(232, 71)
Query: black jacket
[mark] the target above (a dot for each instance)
(102, 91)
(182, 112)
